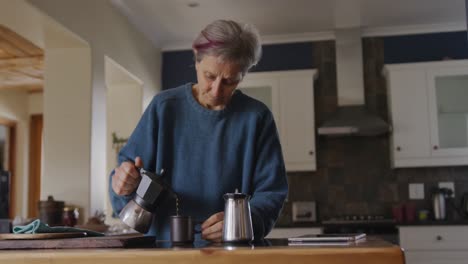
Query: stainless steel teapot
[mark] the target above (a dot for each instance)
(237, 219)
(439, 197)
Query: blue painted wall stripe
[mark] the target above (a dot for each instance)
(178, 67)
(282, 57)
(425, 47)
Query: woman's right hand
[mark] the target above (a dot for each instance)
(127, 177)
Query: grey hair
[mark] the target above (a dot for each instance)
(231, 42)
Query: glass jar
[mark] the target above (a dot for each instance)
(69, 216)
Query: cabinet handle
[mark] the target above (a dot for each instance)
(436, 147)
(311, 153)
(398, 148)
(439, 238)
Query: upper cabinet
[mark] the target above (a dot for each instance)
(429, 113)
(290, 97)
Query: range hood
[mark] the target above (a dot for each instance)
(352, 118)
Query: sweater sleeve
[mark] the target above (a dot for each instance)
(142, 143)
(270, 185)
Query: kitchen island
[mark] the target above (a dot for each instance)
(272, 251)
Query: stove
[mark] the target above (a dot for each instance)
(375, 225)
(360, 219)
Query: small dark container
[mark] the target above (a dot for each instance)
(182, 231)
(50, 211)
(5, 226)
(69, 218)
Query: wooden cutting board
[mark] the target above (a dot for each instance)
(11, 236)
(134, 241)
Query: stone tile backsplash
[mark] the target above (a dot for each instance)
(354, 175)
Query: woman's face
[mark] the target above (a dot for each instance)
(217, 81)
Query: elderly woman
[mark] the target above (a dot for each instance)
(210, 139)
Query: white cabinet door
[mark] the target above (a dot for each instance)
(410, 121)
(448, 104)
(429, 113)
(290, 97)
(265, 90)
(297, 122)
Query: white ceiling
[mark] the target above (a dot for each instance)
(172, 24)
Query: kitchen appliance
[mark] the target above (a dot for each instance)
(374, 225)
(138, 213)
(237, 219)
(351, 118)
(439, 197)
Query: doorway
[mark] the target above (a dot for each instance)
(8, 158)
(124, 108)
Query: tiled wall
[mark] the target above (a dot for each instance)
(354, 174)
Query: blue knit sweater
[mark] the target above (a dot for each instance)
(207, 153)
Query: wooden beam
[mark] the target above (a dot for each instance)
(11, 49)
(29, 73)
(12, 77)
(7, 122)
(31, 87)
(38, 90)
(21, 62)
(4, 55)
(20, 42)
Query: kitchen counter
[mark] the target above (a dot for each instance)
(373, 250)
(299, 225)
(436, 222)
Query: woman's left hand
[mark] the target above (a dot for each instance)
(212, 228)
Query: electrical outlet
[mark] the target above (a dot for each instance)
(448, 185)
(416, 191)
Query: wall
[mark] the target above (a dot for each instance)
(354, 174)
(67, 126)
(425, 47)
(14, 106)
(108, 34)
(179, 66)
(18, 106)
(35, 103)
(124, 103)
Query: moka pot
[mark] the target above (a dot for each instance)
(138, 213)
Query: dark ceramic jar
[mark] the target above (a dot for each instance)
(50, 211)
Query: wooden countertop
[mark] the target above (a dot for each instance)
(370, 251)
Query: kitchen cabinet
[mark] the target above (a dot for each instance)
(290, 97)
(287, 232)
(434, 244)
(429, 113)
